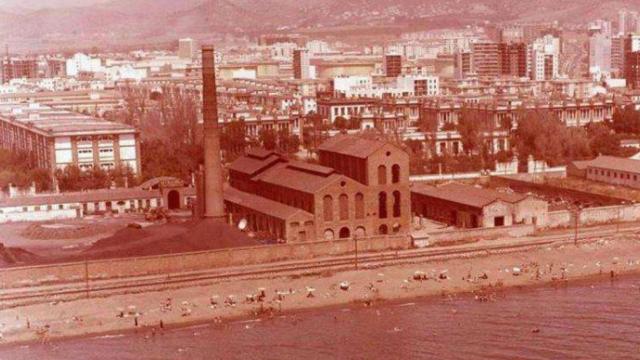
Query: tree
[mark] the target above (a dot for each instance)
(604, 141)
(417, 156)
(268, 138)
(626, 120)
(577, 145)
(472, 128)
(233, 140)
(69, 179)
(540, 134)
(171, 137)
(288, 143)
(21, 169)
(340, 123)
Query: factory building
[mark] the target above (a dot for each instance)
(359, 189)
(58, 138)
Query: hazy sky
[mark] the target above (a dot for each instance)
(38, 4)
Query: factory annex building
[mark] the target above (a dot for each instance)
(359, 189)
(468, 206)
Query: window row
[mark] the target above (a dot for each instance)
(343, 206)
(382, 174)
(612, 174)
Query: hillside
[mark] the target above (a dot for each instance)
(152, 19)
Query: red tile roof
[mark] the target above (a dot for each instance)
(295, 179)
(615, 163)
(352, 145)
(251, 165)
(467, 194)
(262, 204)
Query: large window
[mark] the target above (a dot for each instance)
(343, 202)
(382, 175)
(396, 204)
(382, 205)
(327, 205)
(359, 206)
(395, 174)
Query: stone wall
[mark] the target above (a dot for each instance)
(173, 263)
(551, 191)
(594, 216)
(475, 234)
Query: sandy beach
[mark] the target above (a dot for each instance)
(484, 276)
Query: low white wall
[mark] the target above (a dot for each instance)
(594, 216)
(43, 215)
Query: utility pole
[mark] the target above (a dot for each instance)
(620, 208)
(577, 216)
(355, 240)
(86, 276)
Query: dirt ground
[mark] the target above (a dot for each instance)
(17, 234)
(595, 187)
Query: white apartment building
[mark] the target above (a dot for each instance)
(544, 58)
(404, 85)
(82, 63)
(600, 54)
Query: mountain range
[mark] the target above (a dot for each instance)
(151, 19)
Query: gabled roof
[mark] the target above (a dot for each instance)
(581, 164)
(355, 146)
(262, 204)
(260, 153)
(288, 176)
(615, 163)
(252, 165)
(467, 194)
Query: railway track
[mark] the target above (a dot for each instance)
(101, 288)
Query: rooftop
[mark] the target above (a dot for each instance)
(352, 146)
(615, 163)
(58, 122)
(298, 177)
(261, 204)
(466, 194)
(81, 197)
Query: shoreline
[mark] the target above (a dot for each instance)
(392, 284)
(199, 323)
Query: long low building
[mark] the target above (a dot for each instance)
(58, 138)
(77, 204)
(608, 169)
(166, 192)
(467, 206)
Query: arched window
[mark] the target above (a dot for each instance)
(343, 202)
(396, 204)
(359, 206)
(383, 230)
(328, 234)
(382, 175)
(382, 205)
(395, 174)
(327, 205)
(360, 232)
(344, 233)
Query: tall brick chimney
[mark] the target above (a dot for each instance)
(213, 195)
